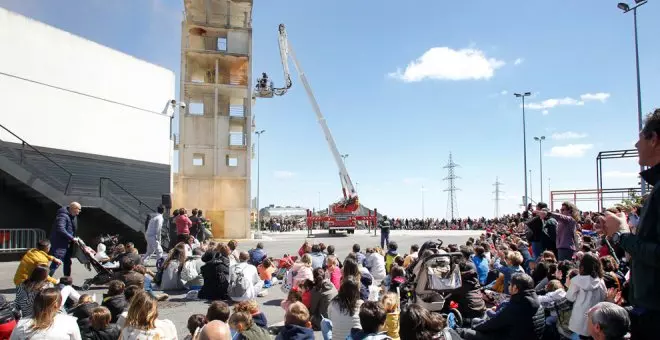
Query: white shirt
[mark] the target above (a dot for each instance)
(69, 292)
(64, 327)
(250, 274)
(164, 328)
(343, 323)
(155, 226)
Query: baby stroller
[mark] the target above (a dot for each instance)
(85, 255)
(431, 283)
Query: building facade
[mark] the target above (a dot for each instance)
(215, 127)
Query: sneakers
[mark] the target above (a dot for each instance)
(162, 297)
(262, 293)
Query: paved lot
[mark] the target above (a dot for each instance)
(178, 309)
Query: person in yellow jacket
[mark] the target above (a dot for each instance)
(33, 258)
(390, 303)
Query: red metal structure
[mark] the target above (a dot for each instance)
(342, 222)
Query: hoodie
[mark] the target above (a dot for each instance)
(295, 332)
(470, 301)
(376, 264)
(29, 261)
(585, 292)
(321, 297)
(116, 304)
(389, 259)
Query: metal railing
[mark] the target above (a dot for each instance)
(118, 195)
(49, 171)
(19, 240)
(22, 159)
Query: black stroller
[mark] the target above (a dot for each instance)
(86, 257)
(432, 281)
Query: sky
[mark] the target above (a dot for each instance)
(402, 86)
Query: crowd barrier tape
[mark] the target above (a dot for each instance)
(19, 240)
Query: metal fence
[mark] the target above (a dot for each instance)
(19, 240)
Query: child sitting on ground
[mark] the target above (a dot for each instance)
(114, 300)
(266, 270)
(101, 326)
(307, 287)
(195, 323)
(242, 322)
(372, 320)
(296, 324)
(392, 253)
(129, 293)
(390, 303)
(251, 307)
(293, 297)
(69, 294)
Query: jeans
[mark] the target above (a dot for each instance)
(537, 248)
(384, 238)
(565, 254)
(326, 329)
(65, 256)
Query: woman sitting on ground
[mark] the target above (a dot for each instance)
(45, 321)
(142, 320)
(172, 267)
(28, 290)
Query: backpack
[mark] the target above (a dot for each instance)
(564, 309)
(238, 285)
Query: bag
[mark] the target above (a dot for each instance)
(238, 285)
(564, 309)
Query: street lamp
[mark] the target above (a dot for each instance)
(258, 133)
(626, 8)
(540, 140)
(523, 95)
(531, 192)
(343, 158)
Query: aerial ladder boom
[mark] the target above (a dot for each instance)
(267, 91)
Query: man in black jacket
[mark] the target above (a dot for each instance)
(522, 318)
(542, 233)
(644, 246)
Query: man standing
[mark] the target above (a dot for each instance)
(384, 233)
(644, 246)
(62, 235)
(153, 235)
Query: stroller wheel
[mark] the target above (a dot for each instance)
(456, 316)
(85, 286)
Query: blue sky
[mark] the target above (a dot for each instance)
(402, 86)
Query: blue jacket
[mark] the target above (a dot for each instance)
(63, 230)
(482, 268)
(508, 272)
(295, 332)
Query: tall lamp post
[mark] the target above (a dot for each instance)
(258, 133)
(523, 95)
(343, 158)
(540, 140)
(626, 8)
(531, 192)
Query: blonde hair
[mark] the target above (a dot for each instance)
(306, 260)
(143, 312)
(390, 302)
(515, 258)
(85, 298)
(100, 318)
(297, 314)
(553, 285)
(331, 260)
(46, 305)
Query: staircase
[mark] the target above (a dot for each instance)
(32, 173)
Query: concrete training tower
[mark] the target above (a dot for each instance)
(215, 128)
(498, 196)
(452, 203)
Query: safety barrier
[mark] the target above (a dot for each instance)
(19, 240)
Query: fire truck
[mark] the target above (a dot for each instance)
(342, 215)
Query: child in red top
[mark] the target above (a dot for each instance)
(332, 271)
(307, 293)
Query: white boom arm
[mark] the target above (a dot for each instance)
(286, 52)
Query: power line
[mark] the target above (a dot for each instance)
(452, 203)
(498, 198)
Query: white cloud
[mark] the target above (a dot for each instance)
(545, 112)
(620, 174)
(283, 174)
(570, 150)
(568, 101)
(568, 135)
(553, 102)
(504, 92)
(444, 63)
(600, 96)
(518, 61)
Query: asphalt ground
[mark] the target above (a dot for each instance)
(178, 309)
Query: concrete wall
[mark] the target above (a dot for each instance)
(126, 99)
